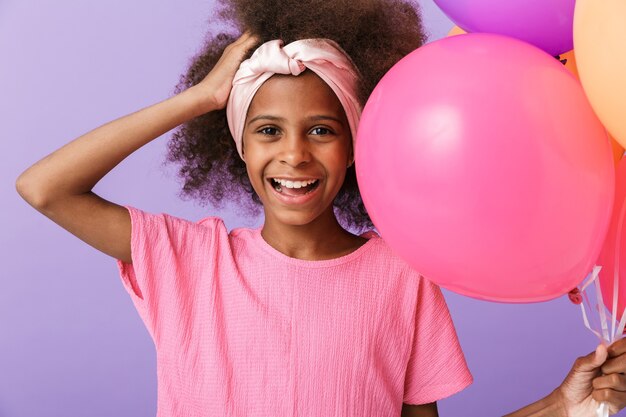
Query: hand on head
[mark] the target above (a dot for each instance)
(218, 83)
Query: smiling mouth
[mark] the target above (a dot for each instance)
(295, 188)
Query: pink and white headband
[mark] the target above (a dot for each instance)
(322, 56)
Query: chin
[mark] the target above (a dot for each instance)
(295, 218)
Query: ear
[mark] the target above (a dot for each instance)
(350, 159)
(350, 152)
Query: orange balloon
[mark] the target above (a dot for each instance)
(456, 31)
(599, 34)
(570, 62)
(571, 65)
(618, 151)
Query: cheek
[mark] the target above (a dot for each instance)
(338, 165)
(337, 156)
(256, 163)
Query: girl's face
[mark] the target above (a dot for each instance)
(297, 146)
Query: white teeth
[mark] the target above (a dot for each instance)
(293, 184)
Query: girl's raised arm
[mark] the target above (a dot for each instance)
(59, 185)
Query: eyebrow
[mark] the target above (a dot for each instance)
(282, 119)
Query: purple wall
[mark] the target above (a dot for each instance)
(71, 343)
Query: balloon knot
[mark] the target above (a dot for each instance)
(563, 61)
(575, 296)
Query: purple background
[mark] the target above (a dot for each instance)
(71, 343)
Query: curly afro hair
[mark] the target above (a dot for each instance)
(375, 33)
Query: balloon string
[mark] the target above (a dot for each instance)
(622, 322)
(603, 409)
(586, 320)
(590, 279)
(601, 309)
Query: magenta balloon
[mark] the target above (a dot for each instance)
(613, 255)
(547, 24)
(482, 164)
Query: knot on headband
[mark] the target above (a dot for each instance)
(322, 56)
(269, 57)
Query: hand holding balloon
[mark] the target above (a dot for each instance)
(594, 379)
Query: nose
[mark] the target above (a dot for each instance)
(295, 150)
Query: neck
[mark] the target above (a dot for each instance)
(323, 238)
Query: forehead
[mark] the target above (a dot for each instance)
(288, 94)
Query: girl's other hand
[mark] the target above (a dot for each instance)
(216, 86)
(594, 379)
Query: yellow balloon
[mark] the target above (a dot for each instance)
(599, 42)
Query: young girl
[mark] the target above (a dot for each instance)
(299, 317)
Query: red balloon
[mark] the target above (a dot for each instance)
(612, 258)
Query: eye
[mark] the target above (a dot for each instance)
(270, 131)
(321, 131)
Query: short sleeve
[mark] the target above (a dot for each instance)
(437, 366)
(167, 260)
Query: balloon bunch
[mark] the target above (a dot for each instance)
(482, 163)
(486, 163)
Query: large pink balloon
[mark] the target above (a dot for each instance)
(613, 255)
(482, 164)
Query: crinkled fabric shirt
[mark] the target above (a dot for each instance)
(241, 329)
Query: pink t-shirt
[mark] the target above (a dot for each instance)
(241, 329)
